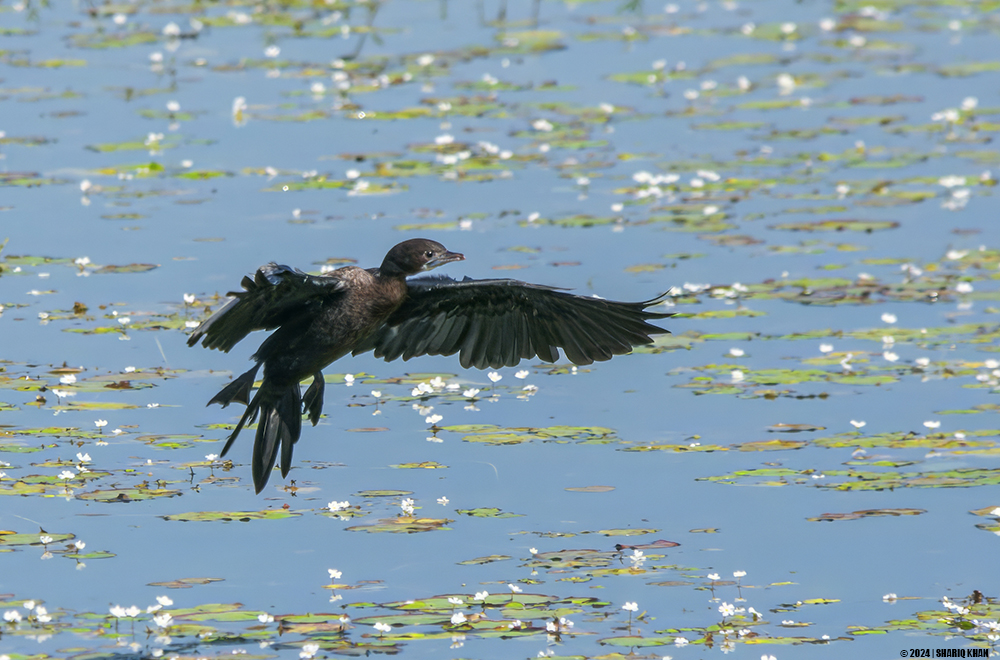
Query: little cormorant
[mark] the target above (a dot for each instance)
(319, 319)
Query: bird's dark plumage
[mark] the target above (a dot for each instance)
(318, 319)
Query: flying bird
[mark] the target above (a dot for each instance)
(318, 319)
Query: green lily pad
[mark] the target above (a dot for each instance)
(423, 465)
(867, 513)
(488, 512)
(838, 225)
(403, 525)
(384, 493)
(185, 583)
(13, 539)
(480, 561)
(125, 495)
(232, 516)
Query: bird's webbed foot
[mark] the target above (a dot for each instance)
(312, 401)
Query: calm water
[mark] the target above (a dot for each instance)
(813, 183)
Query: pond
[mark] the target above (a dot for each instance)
(806, 466)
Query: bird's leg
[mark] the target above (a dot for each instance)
(312, 402)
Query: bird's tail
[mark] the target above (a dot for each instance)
(280, 423)
(280, 410)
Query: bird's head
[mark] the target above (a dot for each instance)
(417, 254)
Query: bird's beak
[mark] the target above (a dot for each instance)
(445, 258)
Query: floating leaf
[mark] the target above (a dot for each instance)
(403, 525)
(867, 513)
(130, 268)
(185, 583)
(590, 489)
(232, 516)
(838, 225)
(488, 512)
(424, 465)
(125, 495)
(479, 561)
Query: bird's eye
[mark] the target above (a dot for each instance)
(428, 254)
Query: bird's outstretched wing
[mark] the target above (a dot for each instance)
(497, 323)
(276, 296)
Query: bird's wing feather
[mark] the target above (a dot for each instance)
(275, 296)
(496, 323)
